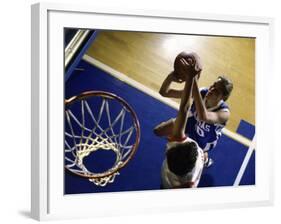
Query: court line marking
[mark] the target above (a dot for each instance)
(245, 162)
(235, 136)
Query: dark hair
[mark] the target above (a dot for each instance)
(227, 86)
(182, 157)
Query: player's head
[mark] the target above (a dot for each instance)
(181, 157)
(220, 89)
(226, 86)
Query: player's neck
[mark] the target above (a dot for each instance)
(211, 104)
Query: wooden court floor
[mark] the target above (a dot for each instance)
(148, 58)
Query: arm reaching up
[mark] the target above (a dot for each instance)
(165, 89)
(178, 131)
(214, 95)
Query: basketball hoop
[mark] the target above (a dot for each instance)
(101, 122)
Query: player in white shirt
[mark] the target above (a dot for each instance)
(184, 162)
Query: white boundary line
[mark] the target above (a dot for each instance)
(245, 162)
(235, 136)
(156, 95)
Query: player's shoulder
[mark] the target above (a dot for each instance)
(223, 106)
(203, 91)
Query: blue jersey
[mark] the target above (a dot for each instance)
(206, 135)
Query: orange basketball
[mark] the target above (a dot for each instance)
(191, 58)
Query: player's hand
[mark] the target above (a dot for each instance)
(188, 64)
(197, 65)
(176, 78)
(185, 68)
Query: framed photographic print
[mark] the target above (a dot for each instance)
(148, 111)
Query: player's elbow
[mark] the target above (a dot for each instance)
(163, 92)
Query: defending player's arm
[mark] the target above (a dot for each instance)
(210, 117)
(178, 131)
(165, 89)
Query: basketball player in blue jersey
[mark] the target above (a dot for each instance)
(184, 162)
(209, 112)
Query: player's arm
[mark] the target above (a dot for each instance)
(165, 89)
(217, 117)
(181, 119)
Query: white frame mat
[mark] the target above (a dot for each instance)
(48, 200)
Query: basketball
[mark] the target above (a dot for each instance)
(191, 58)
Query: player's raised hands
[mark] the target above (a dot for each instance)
(187, 64)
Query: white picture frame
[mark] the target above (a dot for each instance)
(48, 200)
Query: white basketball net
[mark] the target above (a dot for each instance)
(92, 136)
